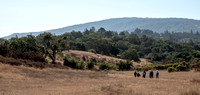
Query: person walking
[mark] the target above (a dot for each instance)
(151, 74)
(138, 74)
(157, 74)
(135, 73)
(144, 74)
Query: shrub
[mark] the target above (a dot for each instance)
(10, 61)
(104, 66)
(168, 65)
(181, 68)
(196, 66)
(92, 50)
(29, 55)
(124, 65)
(17, 62)
(35, 56)
(159, 67)
(4, 50)
(90, 65)
(171, 69)
(72, 63)
(130, 54)
(139, 68)
(94, 60)
(80, 65)
(113, 67)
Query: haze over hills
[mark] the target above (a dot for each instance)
(158, 25)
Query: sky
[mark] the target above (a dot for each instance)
(18, 16)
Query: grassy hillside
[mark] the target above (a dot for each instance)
(20, 80)
(78, 55)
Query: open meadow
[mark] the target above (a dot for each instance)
(21, 80)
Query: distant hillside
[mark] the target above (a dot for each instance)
(129, 24)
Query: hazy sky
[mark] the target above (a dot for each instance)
(18, 16)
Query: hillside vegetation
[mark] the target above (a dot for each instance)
(128, 46)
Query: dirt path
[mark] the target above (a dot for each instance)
(20, 80)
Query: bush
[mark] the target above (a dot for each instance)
(139, 68)
(33, 56)
(17, 62)
(73, 63)
(94, 60)
(90, 65)
(92, 50)
(10, 61)
(159, 67)
(130, 54)
(171, 69)
(104, 66)
(181, 68)
(168, 65)
(80, 65)
(4, 50)
(196, 66)
(124, 65)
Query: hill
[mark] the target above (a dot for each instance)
(158, 25)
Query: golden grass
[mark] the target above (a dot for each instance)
(78, 55)
(195, 80)
(191, 92)
(21, 80)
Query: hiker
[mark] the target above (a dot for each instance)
(138, 74)
(151, 74)
(135, 73)
(157, 74)
(144, 74)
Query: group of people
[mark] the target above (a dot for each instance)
(137, 74)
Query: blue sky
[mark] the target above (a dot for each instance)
(17, 16)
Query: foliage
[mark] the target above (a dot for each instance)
(73, 63)
(181, 66)
(104, 66)
(171, 69)
(142, 43)
(139, 68)
(80, 65)
(4, 50)
(29, 55)
(130, 54)
(17, 62)
(92, 50)
(90, 65)
(124, 65)
(93, 60)
(160, 67)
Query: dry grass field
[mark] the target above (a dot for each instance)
(20, 80)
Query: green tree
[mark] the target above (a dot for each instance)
(130, 54)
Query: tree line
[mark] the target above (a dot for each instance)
(158, 48)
